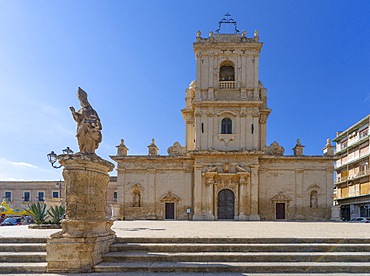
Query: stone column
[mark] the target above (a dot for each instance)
(210, 194)
(256, 131)
(243, 195)
(263, 120)
(254, 193)
(86, 234)
(198, 193)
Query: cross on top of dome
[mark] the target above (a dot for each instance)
(227, 20)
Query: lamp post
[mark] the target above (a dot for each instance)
(53, 157)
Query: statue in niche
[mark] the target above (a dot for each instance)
(88, 125)
(313, 200)
(136, 199)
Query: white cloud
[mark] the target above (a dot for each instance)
(6, 162)
(22, 164)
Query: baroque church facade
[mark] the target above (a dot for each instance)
(225, 170)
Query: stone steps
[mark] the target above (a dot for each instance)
(190, 255)
(196, 247)
(242, 267)
(22, 255)
(237, 256)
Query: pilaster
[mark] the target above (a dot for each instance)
(299, 194)
(198, 192)
(254, 193)
(152, 193)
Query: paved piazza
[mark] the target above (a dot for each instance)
(212, 229)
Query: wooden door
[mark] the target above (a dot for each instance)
(170, 211)
(225, 204)
(280, 210)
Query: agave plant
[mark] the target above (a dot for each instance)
(38, 212)
(56, 213)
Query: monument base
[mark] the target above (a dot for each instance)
(86, 233)
(76, 254)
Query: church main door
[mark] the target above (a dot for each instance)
(225, 204)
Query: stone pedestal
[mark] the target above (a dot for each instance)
(86, 233)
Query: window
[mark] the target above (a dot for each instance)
(227, 73)
(364, 133)
(226, 126)
(8, 196)
(26, 196)
(115, 196)
(55, 194)
(40, 196)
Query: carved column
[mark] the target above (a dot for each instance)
(243, 180)
(263, 120)
(198, 131)
(256, 131)
(209, 129)
(198, 193)
(243, 134)
(210, 181)
(86, 233)
(198, 70)
(254, 193)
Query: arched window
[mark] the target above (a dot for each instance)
(227, 73)
(226, 126)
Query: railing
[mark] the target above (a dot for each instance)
(227, 85)
(352, 160)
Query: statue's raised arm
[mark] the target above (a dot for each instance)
(88, 125)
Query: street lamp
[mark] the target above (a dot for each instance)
(53, 157)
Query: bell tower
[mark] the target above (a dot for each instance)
(226, 106)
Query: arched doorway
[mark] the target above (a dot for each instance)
(225, 204)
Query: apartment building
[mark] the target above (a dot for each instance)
(352, 186)
(20, 194)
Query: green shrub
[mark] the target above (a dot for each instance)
(56, 213)
(38, 212)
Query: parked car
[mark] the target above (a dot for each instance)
(12, 221)
(361, 219)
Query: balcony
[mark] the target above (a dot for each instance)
(352, 160)
(353, 142)
(227, 85)
(344, 179)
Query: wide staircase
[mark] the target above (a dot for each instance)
(190, 255)
(281, 255)
(22, 255)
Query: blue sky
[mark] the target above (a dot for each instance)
(135, 60)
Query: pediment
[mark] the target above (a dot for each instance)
(313, 187)
(136, 187)
(280, 197)
(170, 197)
